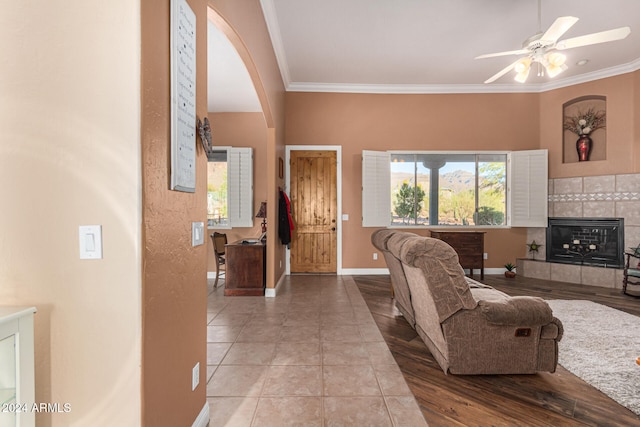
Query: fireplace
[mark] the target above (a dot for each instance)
(586, 241)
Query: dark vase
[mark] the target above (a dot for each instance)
(583, 146)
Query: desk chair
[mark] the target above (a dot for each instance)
(219, 241)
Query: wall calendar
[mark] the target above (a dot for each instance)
(183, 97)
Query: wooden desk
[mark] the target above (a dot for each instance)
(469, 245)
(245, 268)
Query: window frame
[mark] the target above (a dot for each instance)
(239, 187)
(526, 188)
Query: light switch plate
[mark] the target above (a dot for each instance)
(197, 233)
(90, 239)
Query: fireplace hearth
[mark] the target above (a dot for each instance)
(586, 241)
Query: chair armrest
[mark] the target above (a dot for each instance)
(517, 311)
(552, 330)
(633, 254)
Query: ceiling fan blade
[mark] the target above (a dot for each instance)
(502, 72)
(595, 38)
(509, 52)
(558, 28)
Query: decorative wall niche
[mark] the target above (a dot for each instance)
(579, 106)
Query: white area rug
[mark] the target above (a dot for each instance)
(600, 345)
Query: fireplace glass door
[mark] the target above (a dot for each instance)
(586, 241)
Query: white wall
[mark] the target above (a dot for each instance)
(70, 156)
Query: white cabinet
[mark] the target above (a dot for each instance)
(17, 387)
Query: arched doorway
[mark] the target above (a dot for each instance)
(267, 163)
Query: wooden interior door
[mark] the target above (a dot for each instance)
(314, 209)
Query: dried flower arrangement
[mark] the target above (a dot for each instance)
(584, 123)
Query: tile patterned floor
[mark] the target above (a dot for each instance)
(312, 356)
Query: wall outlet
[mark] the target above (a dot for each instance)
(485, 256)
(375, 255)
(195, 376)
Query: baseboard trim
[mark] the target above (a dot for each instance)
(373, 271)
(363, 271)
(272, 292)
(203, 417)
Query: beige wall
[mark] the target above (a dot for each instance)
(174, 288)
(242, 130)
(244, 25)
(70, 156)
(622, 141)
(459, 122)
(174, 273)
(411, 122)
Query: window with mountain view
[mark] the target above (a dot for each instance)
(448, 189)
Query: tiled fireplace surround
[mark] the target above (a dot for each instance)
(607, 196)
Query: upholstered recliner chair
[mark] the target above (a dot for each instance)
(399, 284)
(473, 330)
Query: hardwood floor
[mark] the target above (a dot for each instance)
(543, 399)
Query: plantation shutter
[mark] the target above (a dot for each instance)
(527, 195)
(240, 186)
(376, 189)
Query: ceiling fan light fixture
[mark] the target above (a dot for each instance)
(556, 58)
(523, 65)
(522, 68)
(554, 70)
(522, 77)
(554, 63)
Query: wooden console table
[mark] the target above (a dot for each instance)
(469, 245)
(245, 268)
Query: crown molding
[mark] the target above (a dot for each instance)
(407, 89)
(595, 75)
(273, 27)
(462, 88)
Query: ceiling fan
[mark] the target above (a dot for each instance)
(542, 48)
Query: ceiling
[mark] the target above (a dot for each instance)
(229, 86)
(429, 46)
